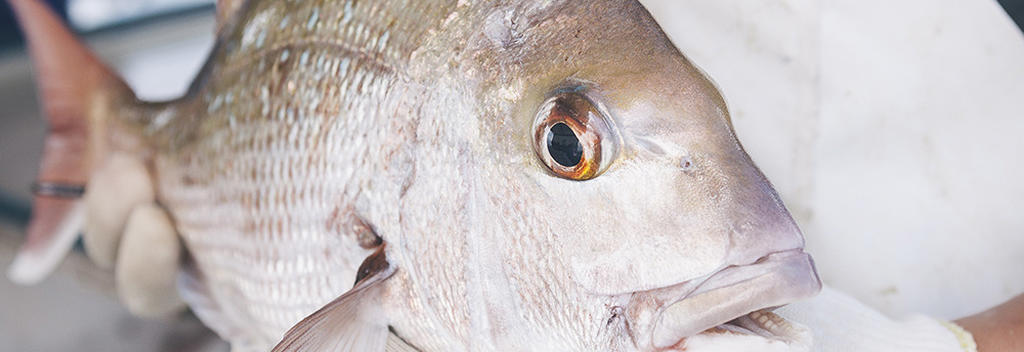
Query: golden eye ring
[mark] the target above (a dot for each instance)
(573, 138)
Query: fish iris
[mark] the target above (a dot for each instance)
(563, 145)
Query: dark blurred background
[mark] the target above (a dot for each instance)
(1015, 8)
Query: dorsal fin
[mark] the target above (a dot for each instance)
(71, 82)
(353, 322)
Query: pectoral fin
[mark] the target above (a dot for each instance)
(353, 322)
(397, 344)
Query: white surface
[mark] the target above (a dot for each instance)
(840, 323)
(165, 72)
(159, 61)
(892, 131)
(92, 14)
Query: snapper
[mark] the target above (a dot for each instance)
(535, 175)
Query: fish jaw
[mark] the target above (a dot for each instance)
(735, 300)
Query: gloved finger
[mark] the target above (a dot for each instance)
(118, 186)
(147, 264)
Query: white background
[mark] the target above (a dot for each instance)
(894, 131)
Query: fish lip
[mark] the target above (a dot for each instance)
(773, 280)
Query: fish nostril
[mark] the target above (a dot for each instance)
(686, 163)
(616, 314)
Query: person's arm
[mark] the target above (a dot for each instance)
(998, 329)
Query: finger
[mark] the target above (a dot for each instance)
(118, 186)
(52, 232)
(148, 260)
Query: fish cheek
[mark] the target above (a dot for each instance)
(642, 231)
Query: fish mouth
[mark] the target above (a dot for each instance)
(739, 300)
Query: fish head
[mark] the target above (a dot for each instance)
(638, 192)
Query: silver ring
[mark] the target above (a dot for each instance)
(58, 190)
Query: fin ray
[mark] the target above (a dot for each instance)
(352, 322)
(397, 344)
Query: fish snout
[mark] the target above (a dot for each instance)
(764, 267)
(752, 214)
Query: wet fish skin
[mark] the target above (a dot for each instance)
(303, 115)
(414, 118)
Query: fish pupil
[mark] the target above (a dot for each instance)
(563, 146)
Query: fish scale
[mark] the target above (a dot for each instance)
(277, 184)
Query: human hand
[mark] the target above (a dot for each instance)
(998, 329)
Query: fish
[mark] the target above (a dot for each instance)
(430, 175)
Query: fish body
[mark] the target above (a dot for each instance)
(419, 149)
(301, 133)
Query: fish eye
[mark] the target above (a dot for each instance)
(573, 137)
(563, 145)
